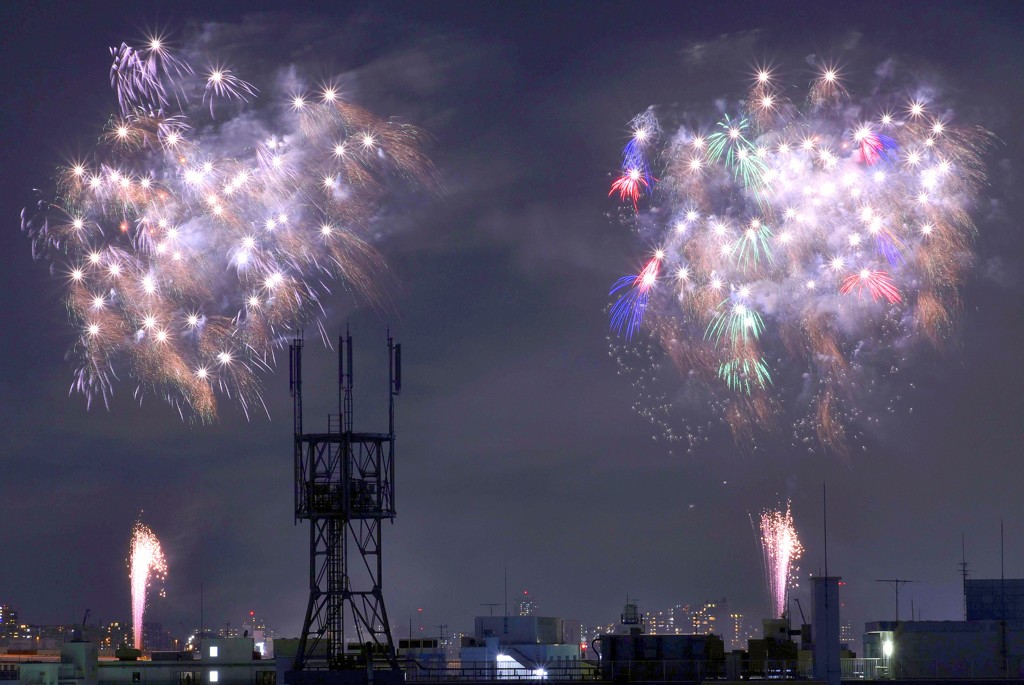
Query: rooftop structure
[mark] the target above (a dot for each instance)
(994, 599)
(944, 649)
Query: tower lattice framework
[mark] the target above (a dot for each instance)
(344, 487)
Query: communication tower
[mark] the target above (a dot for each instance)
(344, 487)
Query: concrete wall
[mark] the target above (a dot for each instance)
(178, 672)
(521, 629)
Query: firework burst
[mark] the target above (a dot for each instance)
(798, 246)
(204, 227)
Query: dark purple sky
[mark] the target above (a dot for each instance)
(517, 444)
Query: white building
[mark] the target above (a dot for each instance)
(945, 649)
(221, 661)
(516, 647)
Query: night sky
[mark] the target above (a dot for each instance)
(517, 444)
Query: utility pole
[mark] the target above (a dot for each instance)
(490, 605)
(896, 582)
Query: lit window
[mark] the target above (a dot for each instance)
(214, 676)
(214, 651)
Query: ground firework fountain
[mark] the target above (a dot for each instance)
(145, 563)
(781, 548)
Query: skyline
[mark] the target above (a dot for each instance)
(517, 445)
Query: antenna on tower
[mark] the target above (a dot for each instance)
(963, 570)
(345, 381)
(295, 381)
(505, 621)
(1002, 610)
(824, 521)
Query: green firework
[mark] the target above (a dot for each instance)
(738, 322)
(745, 374)
(730, 141)
(753, 246)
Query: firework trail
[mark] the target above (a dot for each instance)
(204, 227)
(799, 246)
(781, 549)
(145, 562)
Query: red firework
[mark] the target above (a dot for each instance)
(628, 186)
(878, 283)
